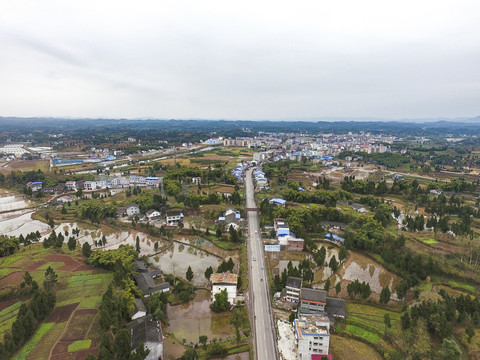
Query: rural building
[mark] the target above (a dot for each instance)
(153, 181)
(312, 301)
(313, 335)
(222, 281)
(278, 202)
(35, 186)
(295, 244)
(293, 287)
(139, 310)
(90, 185)
(230, 217)
(71, 185)
(196, 180)
(146, 283)
(148, 331)
(359, 208)
(133, 209)
(224, 190)
(153, 215)
(174, 217)
(333, 225)
(281, 228)
(336, 308)
(334, 238)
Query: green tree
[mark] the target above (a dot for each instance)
(385, 295)
(387, 321)
(343, 253)
(202, 339)
(189, 274)
(338, 287)
(72, 243)
(50, 278)
(121, 346)
(221, 302)
(450, 350)
(137, 244)
(333, 264)
(51, 223)
(86, 250)
(327, 285)
(208, 273)
(405, 320)
(190, 354)
(470, 331)
(292, 317)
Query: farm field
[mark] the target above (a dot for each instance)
(72, 330)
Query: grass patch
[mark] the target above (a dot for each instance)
(425, 286)
(11, 308)
(90, 302)
(32, 343)
(225, 245)
(79, 345)
(461, 286)
(53, 265)
(10, 260)
(363, 334)
(428, 241)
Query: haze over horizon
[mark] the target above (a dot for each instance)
(214, 60)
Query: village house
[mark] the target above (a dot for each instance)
(293, 288)
(148, 331)
(139, 310)
(153, 215)
(281, 228)
(35, 186)
(196, 180)
(312, 301)
(71, 185)
(145, 280)
(278, 202)
(231, 217)
(224, 281)
(173, 218)
(312, 334)
(336, 308)
(90, 185)
(133, 209)
(295, 244)
(359, 208)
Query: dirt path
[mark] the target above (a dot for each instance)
(63, 332)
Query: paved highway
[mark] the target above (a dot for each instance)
(264, 331)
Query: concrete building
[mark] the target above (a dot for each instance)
(153, 215)
(71, 185)
(90, 185)
(196, 180)
(35, 186)
(293, 288)
(312, 301)
(312, 335)
(222, 281)
(133, 209)
(173, 218)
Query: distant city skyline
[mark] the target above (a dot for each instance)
(309, 61)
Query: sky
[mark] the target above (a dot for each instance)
(246, 60)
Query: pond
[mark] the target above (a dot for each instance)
(179, 257)
(189, 321)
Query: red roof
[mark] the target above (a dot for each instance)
(319, 357)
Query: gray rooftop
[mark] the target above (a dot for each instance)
(313, 295)
(336, 307)
(144, 330)
(294, 282)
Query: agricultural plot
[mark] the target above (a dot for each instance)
(72, 330)
(343, 348)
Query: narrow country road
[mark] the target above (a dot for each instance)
(263, 327)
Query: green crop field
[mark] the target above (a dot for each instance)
(461, 286)
(79, 345)
(428, 241)
(78, 290)
(32, 343)
(364, 334)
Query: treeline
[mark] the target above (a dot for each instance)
(325, 197)
(96, 210)
(31, 314)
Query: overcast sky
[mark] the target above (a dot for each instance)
(240, 60)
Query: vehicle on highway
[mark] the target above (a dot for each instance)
(262, 267)
(254, 258)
